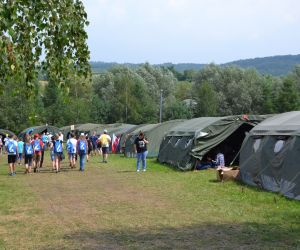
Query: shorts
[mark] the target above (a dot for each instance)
(11, 158)
(105, 150)
(71, 155)
(37, 157)
(58, 156)
(28, 160)
(20, 156)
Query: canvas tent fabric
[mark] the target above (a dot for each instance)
(39, 130)
(270, 155)
(5, 132)
(193, 139)
(129, 141)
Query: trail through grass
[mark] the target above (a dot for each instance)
(110, 206)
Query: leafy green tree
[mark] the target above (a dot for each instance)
(288, 98)
(54, 29)
(206, 100)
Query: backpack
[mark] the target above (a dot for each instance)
(28, 149)
(82, 147)
(58, 147)
(11, 147)
(37, 145)
(70, 147)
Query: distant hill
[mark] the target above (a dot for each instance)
(273, 65)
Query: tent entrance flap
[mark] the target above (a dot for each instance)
(230, 147)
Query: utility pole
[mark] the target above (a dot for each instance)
(160, 106)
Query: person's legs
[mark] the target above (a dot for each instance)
(73, 161)
(138, 159)
(56, 160)
(10, 165)
(14, 160)
(42, 159)
(19, 158)
(26, 164)
(82, 158)
(143, 157)
(105, 154)
(38, 162)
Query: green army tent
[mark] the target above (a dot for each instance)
(4, 132)
(66, 130)
(197, 138)
(156, 135)
(39, 130)
(270, 155)
(130, 137)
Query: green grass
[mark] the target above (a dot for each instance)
(110, 206)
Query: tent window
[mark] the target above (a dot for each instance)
(178, 140)
(278, 146)
(188, 143)
(256, 144)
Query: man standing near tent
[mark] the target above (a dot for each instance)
(140, 147)
(105, 140)
(11, 146)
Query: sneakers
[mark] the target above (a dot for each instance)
(144, 170)
(137, 170)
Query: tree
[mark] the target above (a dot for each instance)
(206, 99)
(288, 98)
(54, 29)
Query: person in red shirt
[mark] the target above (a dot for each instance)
(37, 147)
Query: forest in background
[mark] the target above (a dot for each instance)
(272, 65)
(132, 95)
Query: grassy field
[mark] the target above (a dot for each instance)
(110, 206)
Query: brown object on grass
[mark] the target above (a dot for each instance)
(227, 174)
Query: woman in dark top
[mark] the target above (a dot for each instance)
(140, 147)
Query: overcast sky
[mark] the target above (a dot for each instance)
(197, 31)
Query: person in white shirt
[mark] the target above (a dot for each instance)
(72, 150)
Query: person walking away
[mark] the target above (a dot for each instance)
(140, 146)
(11, 146)
(82, 148)
(58, 151)
(94, 140)
(1, 145)
(5, 141)
(28, 154)
(71, 148)
(45, 140)
(105, 140)
(20, 151)
(51, 147)
(90, 148)
(37, 146)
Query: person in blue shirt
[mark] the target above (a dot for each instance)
(20, 151)
(94, 140)
(11, 146)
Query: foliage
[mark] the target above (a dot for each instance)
(273, 65)
(32, 30)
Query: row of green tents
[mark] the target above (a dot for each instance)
(266, 147)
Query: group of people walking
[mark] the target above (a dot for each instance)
(32, 149)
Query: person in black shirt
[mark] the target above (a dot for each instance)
(140, 147)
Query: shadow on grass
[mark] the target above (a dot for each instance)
(206, 236)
